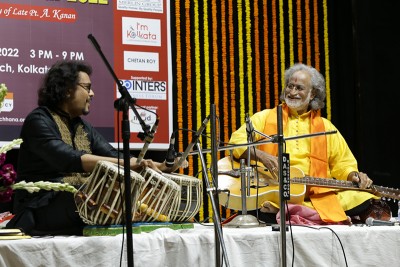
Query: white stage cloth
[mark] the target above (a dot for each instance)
(256, 246)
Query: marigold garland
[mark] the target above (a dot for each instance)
(249, 49)
(281, 45)
(232, 33)
(299, 32)
(188, 75)
(308, 38)
(197, 62)
(275, 46)
(257, 55)
(266, 57)
(216, 52)
(291, 41)
(316, 35)
(326, 55)
(225, 69)
(241, 58)
(206, 79)
(249, 60)
(178, 70)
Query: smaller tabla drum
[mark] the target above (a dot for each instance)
(190, 199)
(101, 199)
(156, 197)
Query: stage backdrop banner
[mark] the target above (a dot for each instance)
(134, 38)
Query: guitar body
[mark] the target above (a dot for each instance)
(266, 189)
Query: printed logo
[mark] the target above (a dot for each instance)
(141, 61)
(8, 103)
(148, 116)
(139, 31)
(144, 89)
(152, 6)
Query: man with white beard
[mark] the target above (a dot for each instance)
(321, 156)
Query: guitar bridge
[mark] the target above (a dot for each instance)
(260, 186)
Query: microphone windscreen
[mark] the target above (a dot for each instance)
(373, 222)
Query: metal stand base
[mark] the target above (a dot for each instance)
(243, 221)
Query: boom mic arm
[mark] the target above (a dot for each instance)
(148, 139)
(194, 141)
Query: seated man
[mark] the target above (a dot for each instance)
(323, 156)
(59, 146)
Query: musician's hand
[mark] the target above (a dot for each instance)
(270, 162)
(143, 164)
(362, 179)
(166, 169)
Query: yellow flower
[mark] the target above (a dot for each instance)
(3, 92)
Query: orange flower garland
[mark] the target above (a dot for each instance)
(233, 53)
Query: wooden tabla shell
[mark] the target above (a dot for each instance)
(189, 200)
(157, 196)
(101, 199)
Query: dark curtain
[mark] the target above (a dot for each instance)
(364, 58)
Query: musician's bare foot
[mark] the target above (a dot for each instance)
(267, 207)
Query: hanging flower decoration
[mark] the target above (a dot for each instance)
(8, 177)
(8, 174)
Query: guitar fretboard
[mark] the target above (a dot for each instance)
(340, 184)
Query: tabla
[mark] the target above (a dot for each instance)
(101, 199)
(189, 200)
(157, 196)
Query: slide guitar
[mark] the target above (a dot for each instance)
(267, 188)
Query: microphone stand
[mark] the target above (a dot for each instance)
(282, 183)
(260, 142)
(214, 176)
(123, 105)
(217, 222)
(244, 219)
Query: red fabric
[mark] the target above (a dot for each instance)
(302, 215)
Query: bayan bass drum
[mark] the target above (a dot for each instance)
(101, 199)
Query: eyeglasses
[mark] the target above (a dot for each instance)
(292, 86)
(86, 86)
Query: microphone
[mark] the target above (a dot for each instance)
(94, 41)
(194, 140)
(372, 222)
(170, 157)
(249, 126)
(148, 139)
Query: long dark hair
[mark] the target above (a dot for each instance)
(60, 81)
